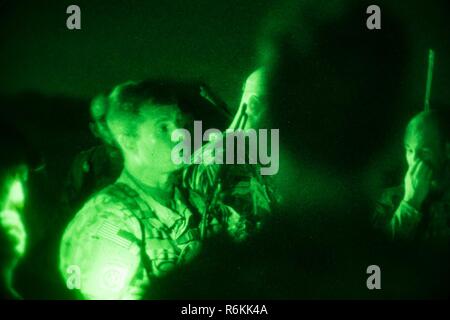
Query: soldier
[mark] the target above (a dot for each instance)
(420, 208)
(152, 218)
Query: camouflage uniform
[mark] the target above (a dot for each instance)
(402, 221)
(122, 237)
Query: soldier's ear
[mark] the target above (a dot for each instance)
(127, 142)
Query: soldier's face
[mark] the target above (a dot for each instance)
(154, 143)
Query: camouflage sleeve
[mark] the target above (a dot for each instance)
(249, 194)
(241, 196)
(384, 211)
(99, 254)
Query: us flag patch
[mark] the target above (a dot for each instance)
(113, 233)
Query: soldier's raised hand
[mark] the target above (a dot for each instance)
(417, 184)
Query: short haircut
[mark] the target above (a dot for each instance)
(123, 106)
(438, 120)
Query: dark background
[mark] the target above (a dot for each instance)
(49, 74)
(122, 40)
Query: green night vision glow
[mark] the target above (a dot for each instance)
(11, 217)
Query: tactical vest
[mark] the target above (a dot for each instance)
(159, 252)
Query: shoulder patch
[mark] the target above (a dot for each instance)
(113, 233)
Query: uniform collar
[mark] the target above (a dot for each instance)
(168, 216)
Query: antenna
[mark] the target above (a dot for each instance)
(429, 79)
